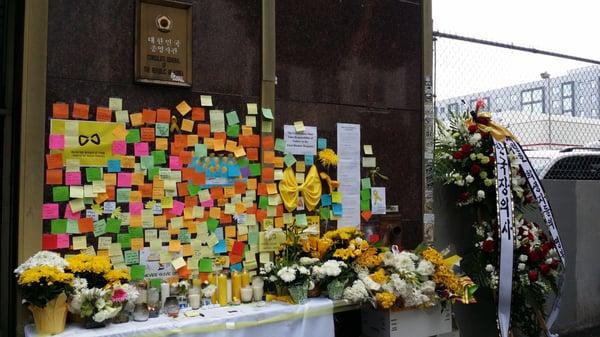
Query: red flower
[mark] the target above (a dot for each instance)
(524, 248)
(466, 149)
(545, 269)
(484, 134)
(457, 155)
(464, 196)
(488, 246)
(480, 104)
(555, 264)
(472, 128)
(475, 169)
(546, 247)
(492, 161)
(534, 256)
(533, 276)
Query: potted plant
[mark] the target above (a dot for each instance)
(44, 284)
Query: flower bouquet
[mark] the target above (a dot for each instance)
(94, 305)
(292, 279)
(124, 297)
(44, 284)
(92, 268)
(335, 274)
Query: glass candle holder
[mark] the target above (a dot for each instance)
(172, 306)
(141, 313)
(153, 302)
(246, 293)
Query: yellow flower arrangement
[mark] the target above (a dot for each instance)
(317, 247)
(443, 274)
(343, 253)
(82, 263)
(328, 158)
(379, 276)
(41, 274)
(370, 258)
(117, 276)
(385, 299)
(345, 233)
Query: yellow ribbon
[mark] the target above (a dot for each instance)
(375, 173)
(469, 288)
(174, 125)
(484, 122)
(333, 184)
(311, 189)
(283, 298)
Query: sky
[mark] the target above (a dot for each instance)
(568, 27)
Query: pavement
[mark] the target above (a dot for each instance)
(591, 332)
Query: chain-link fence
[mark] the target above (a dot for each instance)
(550, 101)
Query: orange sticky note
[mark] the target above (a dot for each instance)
(60, 110)
(183, 108)
(120, 132)
(240, 208)
(230, 231)
(268, 142)
(279, 222)
(149, 116)
(187, 125)
(54, 161)
(110, 179)
(136, 119)
(239, 187)
(198, 114)
(246, 130)
(278, 162)
(81, 111)
(127, 161)
(160, 221)
(192, 140)
(271, 188)
(239, 152)
(86, 225)
(268, 173)
(137, 178)
(135, 221)
(163, 115)
(268, 156)
(147, 134)
(103, 114)
(252, 153)
(251, 183)
(161, 144)
(215, 212)
(137, 244)
(231, 146)
(219, 145)
(203, 130)
(186, 250)
(174, 246)
(54, 177)
(135, 196)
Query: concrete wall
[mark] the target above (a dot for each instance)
(578, 217)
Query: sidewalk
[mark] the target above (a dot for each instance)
(591, 332)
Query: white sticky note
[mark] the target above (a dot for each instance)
(368, 150)
(252, 108)
(206, 100)
(369, 162)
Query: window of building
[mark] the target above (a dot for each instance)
(532, 100)
(567, 97)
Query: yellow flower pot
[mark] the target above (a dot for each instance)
(51, 319)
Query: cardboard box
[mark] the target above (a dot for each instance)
(407, 323)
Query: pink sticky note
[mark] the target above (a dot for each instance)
(56, 142)
(141, 149)
(62, 241)
(124, 179)
(174, 163)
(177, 207)
(119, 147)
(207, 203)
(73, 178)
(50, 211)
(71, 215)
(135, 208)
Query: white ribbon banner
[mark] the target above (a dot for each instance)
(505, 221)
(539, 194)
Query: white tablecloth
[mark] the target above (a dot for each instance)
(314, 319)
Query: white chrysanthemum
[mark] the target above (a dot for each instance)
(357, 292)
(476, 137)
(523, 258)
(79, 283)
(303, 270)
(480, 194)
(428, 288)
(307, 261)
(404, 261)
(268, 266)
(369, 283)
(331, 268)
(521, 266)
(43, 258)
(489, 268)
(287, 274)
(425, 268)
(272, 278)
(469, 179)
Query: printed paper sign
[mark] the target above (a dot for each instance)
(304, 142)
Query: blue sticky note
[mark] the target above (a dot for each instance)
(325, 199)
(337, 209)
(220, 247)
(309, 160)
(234, 171)
(219, 233)
(237, 267)
(114, 165)
(321, 143)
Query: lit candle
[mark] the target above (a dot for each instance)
(236, 285)
(229, 292)
(246, 294)
(222, 289)
(258, 292)
(245, 278)
(194, 300)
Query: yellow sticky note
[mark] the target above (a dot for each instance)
(161, 143)
(250, 122)
(219, 144)
(137, 244)
(299, 126)
(79, 242)
(155, 245)
(166, 202)
(187, 125)
(252, 108)
(104, 242)
(271, 188)
(178, 263)
(174, 246)
(230, 231)
(120, 132)
(231, 146)
(186, 250)
(368, 149)
(89, 251)
(165, 257)
(136, 119)
(114, 249)
(206, 100)
(215, 213)
(239, 152)
(77, 205)
(300, 166)
(251, 184)
(336, 197)
(183, 108)
(240, 208)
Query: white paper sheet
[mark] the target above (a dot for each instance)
(348, 173)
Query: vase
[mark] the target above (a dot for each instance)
(89, 323)
(316, 291)
(335, 289)
(141, 313)
(299, 293)
(122, 316)
(52, 318)
(172, 306)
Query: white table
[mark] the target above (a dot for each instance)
(314, 319)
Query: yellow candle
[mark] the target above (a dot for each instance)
(245, 278)
(213, 280)
(222, 289)
(236, 285)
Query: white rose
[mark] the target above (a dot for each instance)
(469, 179)
(548, 261)
(480, 194)
(523, 258)
(489, 268)
(521, 266)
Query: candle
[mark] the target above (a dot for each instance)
(247, 293)
(229, 292)
(196, 283)
(257, 290)
(222, 289)
(245, 278)
(212, 279)
(164, 293)
(194, 300)
(236, 285)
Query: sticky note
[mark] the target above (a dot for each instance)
(252, 108)
(365, 183)
(62, 241)
(93, 173)
(217, 121)
(220, 247)
(115, 103)
(206, 100)
(369, 162)
(321, 143)
(119, 147)
(368, 149)
(56, 142)
(336, 197)
(60, 193)
(99, 228)
(133, 136)
(137, 272)
(337, 209)
(79, 242)
(232, 118)
(183, 108)
(267, 113)
(58, 226)
(131, 257)
(289, 159)
(205, 265)
(299, 126)
(49, 211)
(301, 220)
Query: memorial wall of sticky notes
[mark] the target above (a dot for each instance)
(167, 191)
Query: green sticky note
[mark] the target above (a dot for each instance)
(136, 232)
(232, 118)
(161, 129)
(254, 170)
(365, 205)
(365, 183)
(131, 257)
(324, 212)
(72, 226)
(155, 283)
(113, 225)
(205, 265)
(263, 202)
(192, 189)
(266, 126)
(289, 159)
(233, 131)
(184, 236)
(137, 272)
(153, 172)
(336, 197)
(58, 226)
(253, 238)
(301, 220)
(93, 174)
(365, 194)
(60, 193)
(123, 194)
(99, 228)
(267, 113)
(212, 224)
(147, 162)
(279, 145)
(243, 162)
(133, 136)
(124, 240)
(159, 157)
(200, 150)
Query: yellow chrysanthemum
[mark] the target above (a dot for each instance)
(328, 158)
(117, 275)
(379, 276)
(385, 299)
(433, 256)
(370, 258)
(46, 274)
(86, 263)
(343, 253)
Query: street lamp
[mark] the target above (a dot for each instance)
(546, 76)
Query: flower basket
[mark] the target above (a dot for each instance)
(52, 318)
(335, 289)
